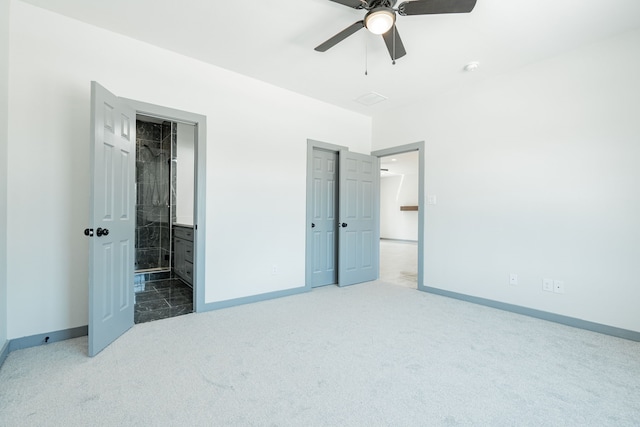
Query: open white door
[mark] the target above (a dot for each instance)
(112, 245)
(358, 222)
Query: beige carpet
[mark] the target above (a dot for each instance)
(369, 355)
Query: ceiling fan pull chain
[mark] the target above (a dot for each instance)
(394, 45)
(366, 57)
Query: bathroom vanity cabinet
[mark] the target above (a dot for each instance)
(183, 253)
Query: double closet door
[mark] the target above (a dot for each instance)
(344, 218)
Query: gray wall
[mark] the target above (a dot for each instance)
(4, 96)
(536, 173)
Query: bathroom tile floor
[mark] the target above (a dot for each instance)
(160, 299)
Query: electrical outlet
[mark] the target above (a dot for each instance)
(432, 199)
(558, 286)
(274, 269)
(547, 285)
(513, 279)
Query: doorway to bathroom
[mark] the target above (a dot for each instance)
(165, 162)
(112, 226)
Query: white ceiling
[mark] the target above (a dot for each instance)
(399, 164)
(274, 41)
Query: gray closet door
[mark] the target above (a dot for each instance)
(111, 249)
(324, 218)
(358, 225)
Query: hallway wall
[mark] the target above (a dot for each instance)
(397, 191)
(4, 154)
(255, 175)
(536, 173)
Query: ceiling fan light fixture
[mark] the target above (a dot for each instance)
(380, 20)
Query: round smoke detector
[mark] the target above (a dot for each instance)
(471, 66)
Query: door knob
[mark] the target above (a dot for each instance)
(313, 225)
(102, 232)
(88, 232)
(343, 225)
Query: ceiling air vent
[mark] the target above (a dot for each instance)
(370, 98)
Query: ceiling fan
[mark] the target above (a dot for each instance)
(381, 19)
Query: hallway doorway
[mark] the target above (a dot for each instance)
(399, 219)
(402, 205)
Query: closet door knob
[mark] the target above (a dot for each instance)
(102, 232)
(88, 232)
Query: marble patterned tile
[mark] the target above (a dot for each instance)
(176, 299)
(181, 309)
(160, 275)
(151, 305)
(149, 316)
(148, 296)
(147, 258)
(161, 296)
(172, 283)
(148, 130)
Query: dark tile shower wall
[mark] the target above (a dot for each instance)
(153, 175)
(174, 168)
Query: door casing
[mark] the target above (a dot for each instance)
(419, 147)
(199, 209)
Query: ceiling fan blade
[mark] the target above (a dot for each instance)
(390, 37)
(356, 4)
(428, 7)
(340, 36)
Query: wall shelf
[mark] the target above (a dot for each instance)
(408, 208)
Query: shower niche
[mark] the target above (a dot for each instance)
(164, 190)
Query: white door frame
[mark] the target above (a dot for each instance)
(199, 223)
(419, 147)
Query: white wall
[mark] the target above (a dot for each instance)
(4, 95)
(537, 173)
(256, 164)
(396, 191)
(185, 173)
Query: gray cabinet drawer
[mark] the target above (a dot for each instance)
(188, 272)
(183, 233)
